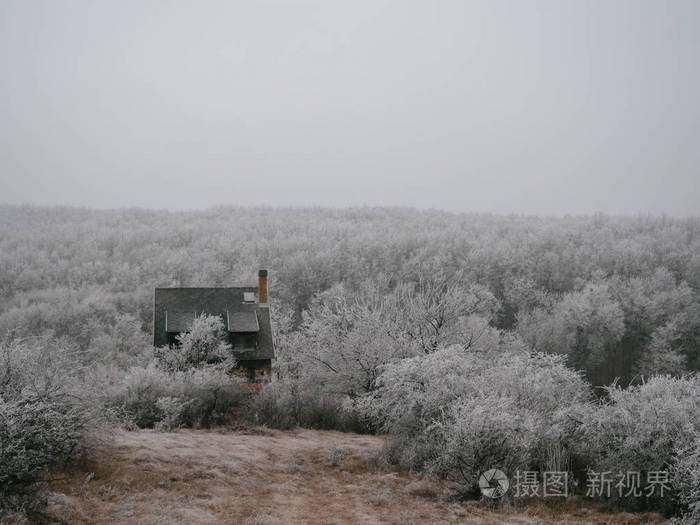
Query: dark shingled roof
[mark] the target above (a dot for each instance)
(180, 305)
(242, 322)
(179, 321)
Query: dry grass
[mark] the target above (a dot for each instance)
(270, 478)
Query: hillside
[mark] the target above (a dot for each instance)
(508, 325)
(271, 477)
(627, 285)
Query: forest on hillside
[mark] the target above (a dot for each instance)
(618, 296)
(540, 344)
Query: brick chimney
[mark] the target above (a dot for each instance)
(262, 286)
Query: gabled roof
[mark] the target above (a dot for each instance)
(180, 305)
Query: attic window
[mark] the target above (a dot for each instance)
(248, 297)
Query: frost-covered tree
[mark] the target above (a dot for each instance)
(345, 339)
(585, 325)
(70, 273)
(124, 343)
(206, 343)
(660, 323)
(663, 354)
(435, 312)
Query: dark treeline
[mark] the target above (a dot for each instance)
(618, 296)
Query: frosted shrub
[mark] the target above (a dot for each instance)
(458, 412)
(291, 403)
(171, 409)
(412, 394)
(643, 428)
(138, 394)
(45, 416)
(187, 385)
(207, 396)
(686, 482)
(211, 396)
(34, 435)
(479, 434)
(276, 405)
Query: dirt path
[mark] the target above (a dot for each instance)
(271, 477)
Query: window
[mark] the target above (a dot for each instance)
(248, 297)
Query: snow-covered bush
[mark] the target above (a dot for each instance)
(276, 405)
(290, 403)
(187, 385)
(206, 396)
(413, 392)
(478, 434)
(34, 435)
(137, 395)
(458, 413)
(211, 396)
(686, 482)
(171, 409)
(45, 416)
(645, 428)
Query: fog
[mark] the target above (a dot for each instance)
(530, 107)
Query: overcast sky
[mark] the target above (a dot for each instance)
(537, 107)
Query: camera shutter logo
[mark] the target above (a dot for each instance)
(493, 483)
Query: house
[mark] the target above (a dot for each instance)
(244, 311)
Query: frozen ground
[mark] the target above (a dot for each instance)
(273, 477)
